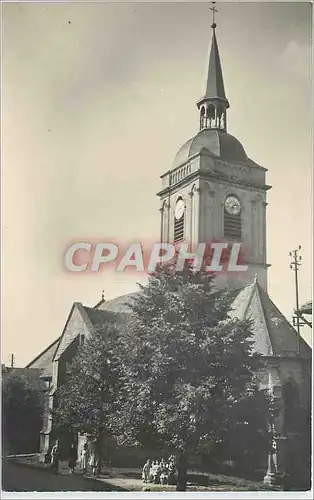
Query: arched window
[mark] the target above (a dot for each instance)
(202, 118)
(211, 116)
(220, 117)
(291, 407)
(232, 218)
(179, 218)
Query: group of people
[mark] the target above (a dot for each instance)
(86, 458)
(162, 472)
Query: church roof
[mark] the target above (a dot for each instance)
(217, 142)
(45, 357)
(119, 304)
(96, 316)
(273, 335)
(100, 317)
(83, 320)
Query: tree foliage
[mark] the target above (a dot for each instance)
(21, 413)
(180, 376)
(189, 369)
(86, 400)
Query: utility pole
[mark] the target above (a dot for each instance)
(294, 265)
(12, 361)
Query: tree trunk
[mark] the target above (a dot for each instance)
(182, 472)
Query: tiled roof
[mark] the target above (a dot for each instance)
(78, 323)
(272, 333)
(99, 317)
(119, 304)
(47, 373)
(45, 357)
(83, 319)
(282, 334)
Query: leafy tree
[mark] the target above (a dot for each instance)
(21, 413)
(86, 400)
(188, 369)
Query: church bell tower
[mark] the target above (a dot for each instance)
(214, 191)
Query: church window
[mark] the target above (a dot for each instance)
(179, 229)
(232, 218)
(211, 116)
(211, 111)
(232, 226)
(179, 217)
(202, 118)
(47, 383)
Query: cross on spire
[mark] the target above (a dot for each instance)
(214, 10)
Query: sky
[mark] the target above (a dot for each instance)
(97, 98)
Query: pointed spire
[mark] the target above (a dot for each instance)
(215, 85)
(214, 104)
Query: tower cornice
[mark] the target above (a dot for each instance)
(199, 174)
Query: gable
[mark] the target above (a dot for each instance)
(261, 339)
(281, 332)
(44, 359)
(272, 333)
(246, 305)
(77, 324)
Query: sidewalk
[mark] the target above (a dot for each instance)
(127, 484)
(122, 482)
(129, 479)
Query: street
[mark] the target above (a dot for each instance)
(22, 478)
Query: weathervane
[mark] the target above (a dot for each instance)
(214, 10)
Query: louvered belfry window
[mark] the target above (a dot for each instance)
(232, 226)
(179, 229)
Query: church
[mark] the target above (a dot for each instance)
(214, 192)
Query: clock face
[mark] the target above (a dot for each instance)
(179, 210)
(232, 205)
